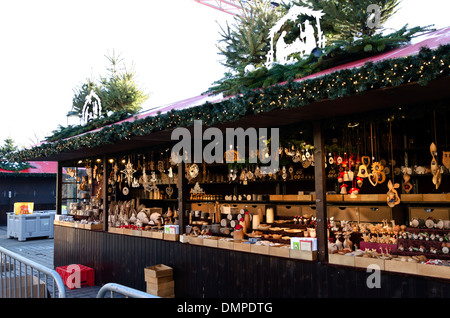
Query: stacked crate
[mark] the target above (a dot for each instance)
(159, 279)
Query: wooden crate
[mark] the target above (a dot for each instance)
(344, 260)
(229, 245)
(157, 271)
(127, 231)
(170, 237)
(303, 255)
(146, 233)
(195, 240)
(400, 266)
(365, 262)
(279, 251)
(136, 232)
(211, 242)
(433, 270)
(157, 235)
(259, 249)
(94, 227)
(165, 290)
(242, 246)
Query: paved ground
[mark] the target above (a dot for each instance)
(40, 250)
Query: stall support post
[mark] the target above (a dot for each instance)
(320, 189)
(105, 193)
(182, 195)
(59, 188)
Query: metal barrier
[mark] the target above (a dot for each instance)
(23, 278)
(123, 290)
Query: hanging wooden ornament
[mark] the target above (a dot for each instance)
(434, 167)
(128, 172)
(362, 169)
(193, 170)
(392, 196)
(406, 186)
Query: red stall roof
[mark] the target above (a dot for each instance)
(37, 167)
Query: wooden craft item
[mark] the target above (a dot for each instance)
(392, 196)
(446, 159)
(407, 186)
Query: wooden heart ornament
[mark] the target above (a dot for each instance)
(407, 186)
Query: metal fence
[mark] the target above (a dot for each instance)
(23, 278)
(122, 290)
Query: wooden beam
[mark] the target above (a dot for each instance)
(321, 197)
(182, 196)
(105, 193)
(59, 188)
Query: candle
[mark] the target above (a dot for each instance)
(255, 221)
(269, 215)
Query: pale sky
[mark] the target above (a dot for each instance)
(49, 47)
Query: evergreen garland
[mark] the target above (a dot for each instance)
(427, 65)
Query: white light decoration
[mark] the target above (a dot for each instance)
(303, 45)
(92, 108)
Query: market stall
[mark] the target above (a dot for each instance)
(363, 180)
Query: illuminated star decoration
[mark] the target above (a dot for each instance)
(128, 172)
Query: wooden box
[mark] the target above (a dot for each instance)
(170, 237)
(115, 230)
(195, 240)
(259, 249)
(433, 270)
(157, 271)
(242, 246)
(127, 231)
(304, 197)
(344, 260)
(365, 262)
(162, 290)
(146, 233)
(229, 245)
(136, 232)
(437, 213)
(79, 225)
(400, 266)
(303, 255)
(349, 213)
(158, 235)
(93, 227)
(279, 251)
(211, 242)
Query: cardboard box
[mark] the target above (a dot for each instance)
(339, 259)
(365, 262)
(303, 255)
(157, 271)
(400, 266)
(23, 286)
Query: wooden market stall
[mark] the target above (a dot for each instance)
(300, 220)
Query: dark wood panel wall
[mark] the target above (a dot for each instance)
(218, 273)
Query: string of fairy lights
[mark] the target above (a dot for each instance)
(423, 67)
